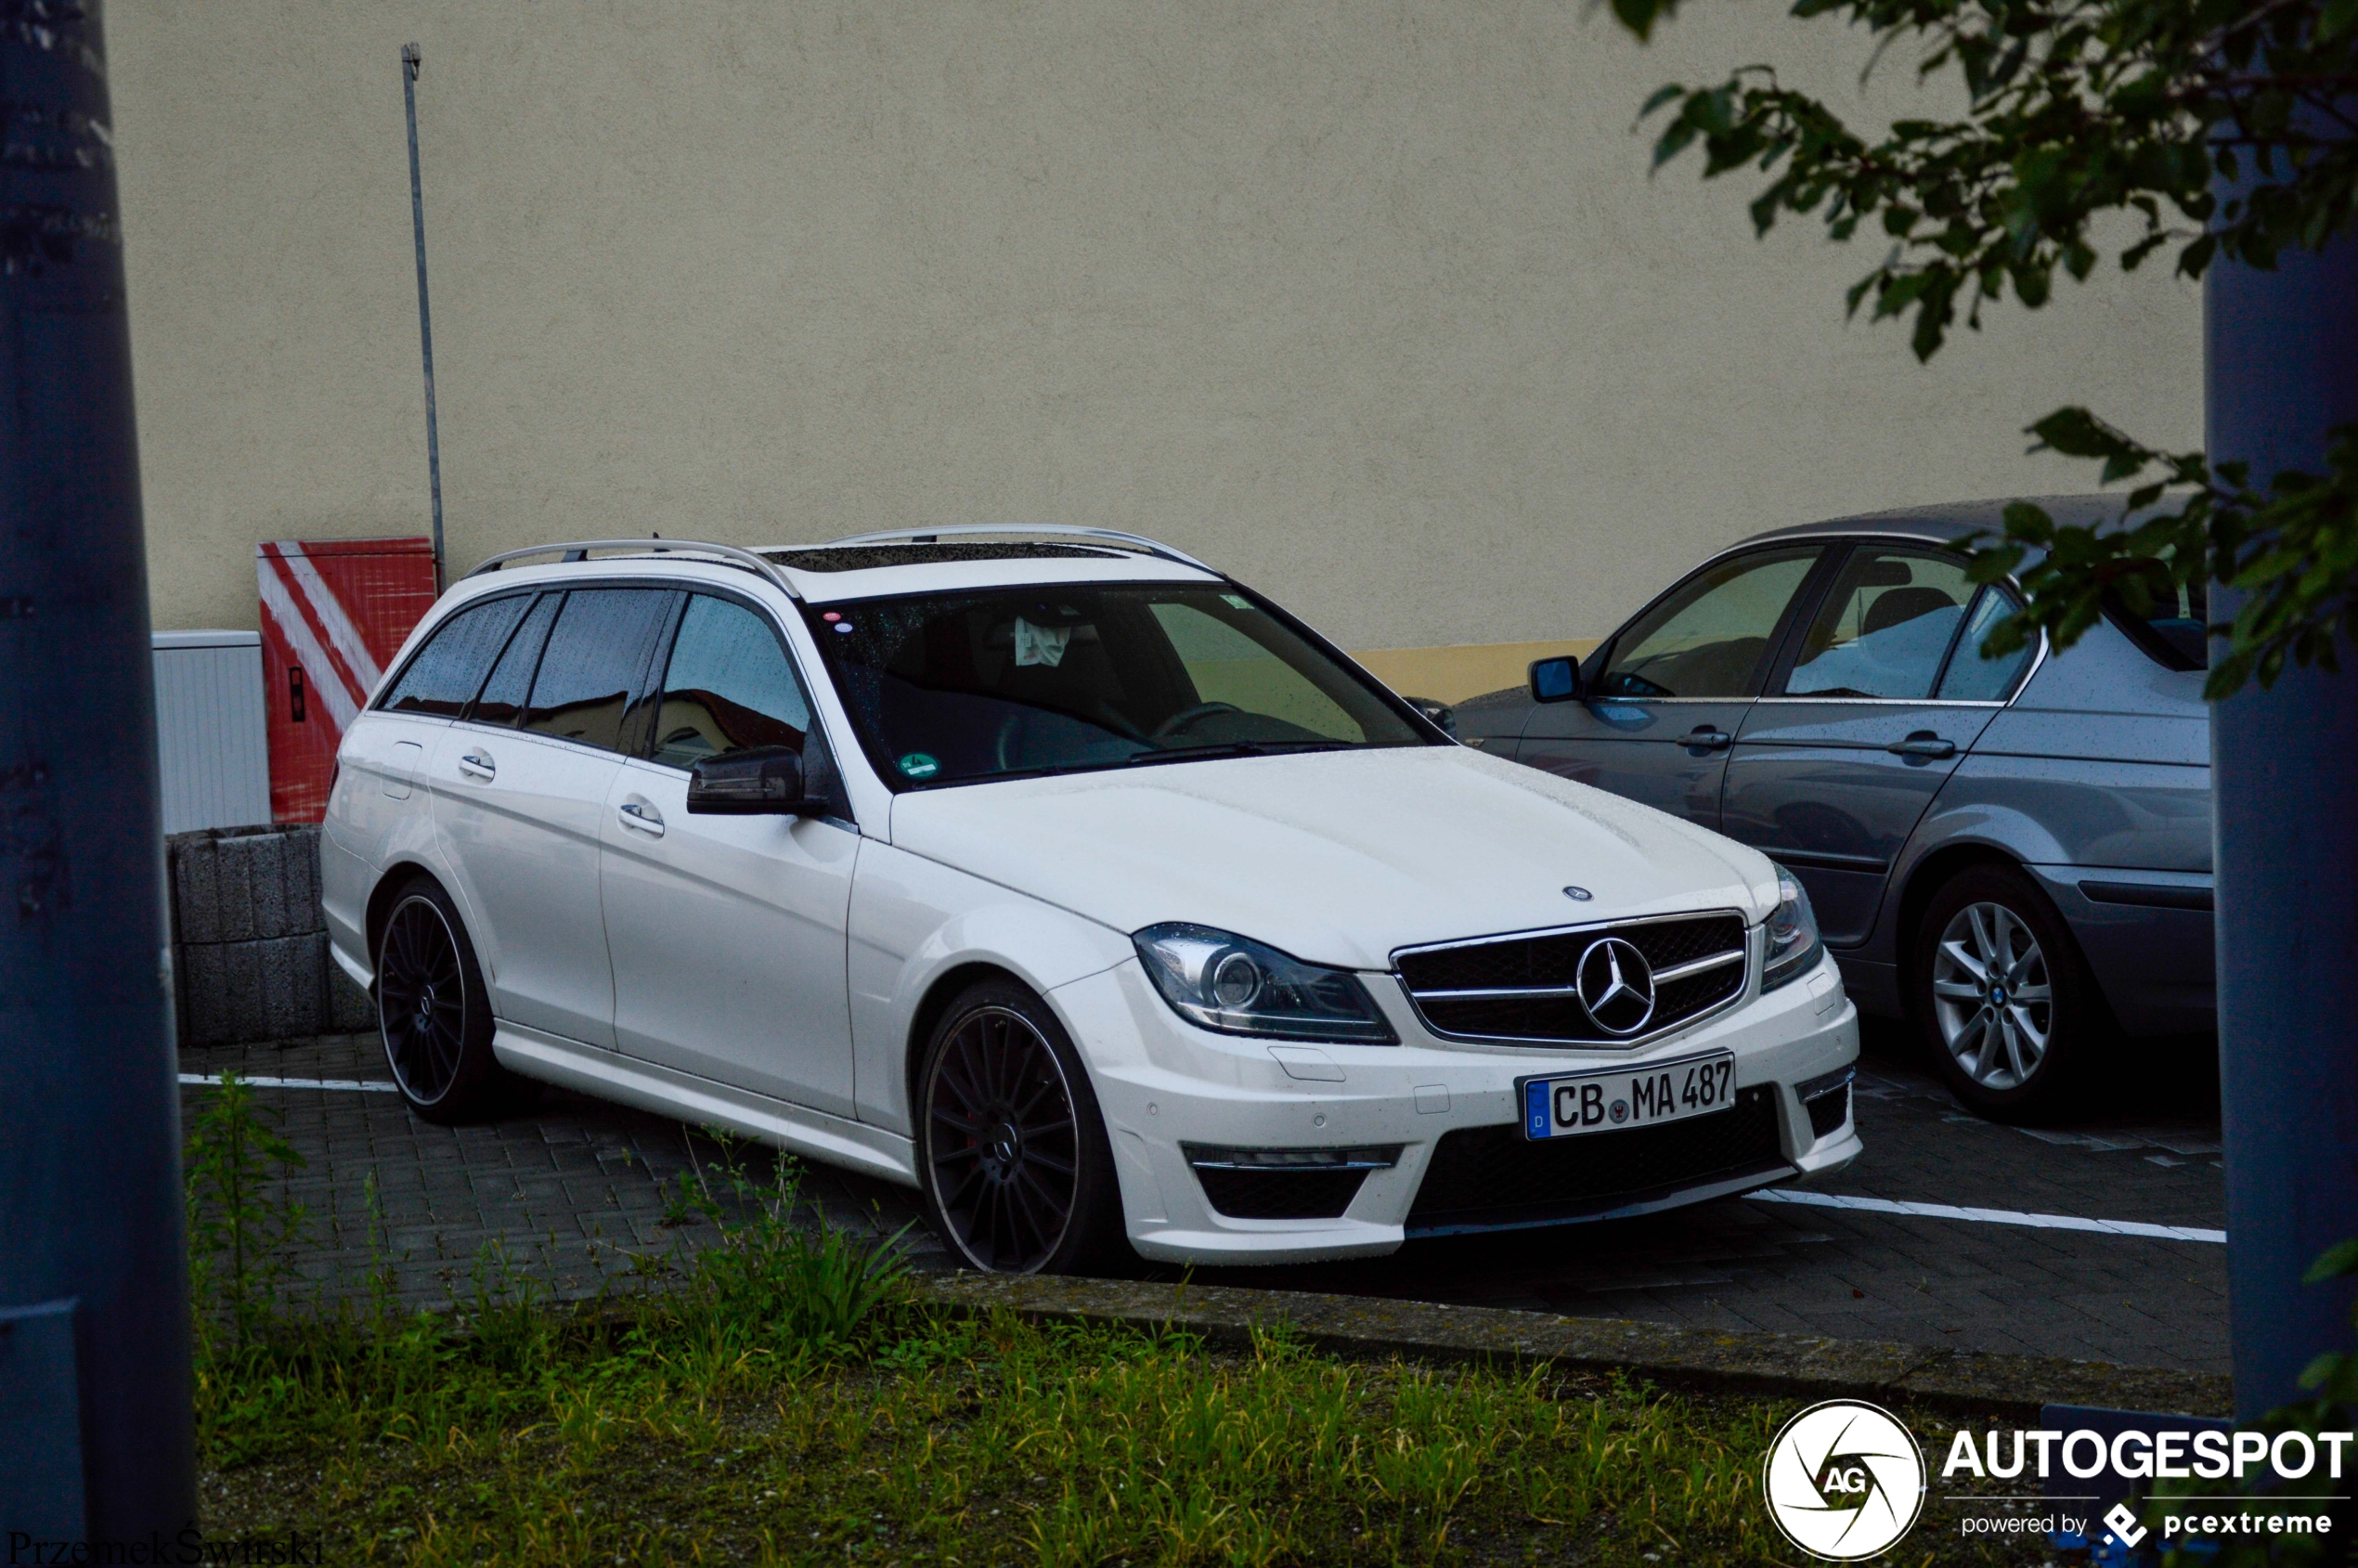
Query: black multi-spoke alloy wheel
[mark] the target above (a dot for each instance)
(1018, 1178)
(434, 1012)
(2003, 998)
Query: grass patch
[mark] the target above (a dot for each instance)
(788, 1402)
(940, 1439)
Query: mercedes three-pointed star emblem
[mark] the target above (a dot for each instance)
(1616, 985)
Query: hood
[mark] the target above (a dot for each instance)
(1335, 857)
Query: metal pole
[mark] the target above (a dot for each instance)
(2282, 368)
(409, 61)
(95, 1434)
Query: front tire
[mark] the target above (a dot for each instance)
(2003, 998)
(434, 1012)
(1018, 1178)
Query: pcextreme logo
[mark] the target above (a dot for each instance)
(1843, 1480)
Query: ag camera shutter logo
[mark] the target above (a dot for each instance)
(1843, 1480)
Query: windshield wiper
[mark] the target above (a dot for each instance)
(1231, 748)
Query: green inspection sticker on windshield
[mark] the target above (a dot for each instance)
(1236, 601)
(917, 765)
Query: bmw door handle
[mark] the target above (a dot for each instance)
(478, 765)
(645, 818)
(1923, 742)
(1702, 738)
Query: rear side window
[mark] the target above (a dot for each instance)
(1884, 628)
(444, 674)
(502, 697)
(728, 687)
(595, 662)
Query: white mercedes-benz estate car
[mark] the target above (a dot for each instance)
(1061, 877)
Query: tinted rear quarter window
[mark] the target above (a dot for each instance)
(445, 673)
(595, 663)
(2166, 619)
(1971, 677)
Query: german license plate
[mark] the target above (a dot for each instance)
(1619, 1098)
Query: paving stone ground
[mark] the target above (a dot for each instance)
(582, 1196)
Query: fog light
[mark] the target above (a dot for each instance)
(1370, 1157)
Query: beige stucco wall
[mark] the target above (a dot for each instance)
(1373, 304)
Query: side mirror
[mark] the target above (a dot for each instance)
(1555, 680)
(1443, 717)
(759, 781)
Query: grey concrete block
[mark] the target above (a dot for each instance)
(275, 989)
(237, 885)
(350, 1009)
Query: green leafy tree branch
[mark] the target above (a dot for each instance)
(2077, 112)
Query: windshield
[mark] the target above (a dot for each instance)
(959, 687)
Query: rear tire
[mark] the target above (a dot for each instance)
(2003, 999)
(1017, 1174)
(434, 1012)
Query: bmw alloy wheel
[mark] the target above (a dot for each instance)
(1002, 1141)
(1992, 997)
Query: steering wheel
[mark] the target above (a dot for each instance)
(1186, 716)
(1104, 715)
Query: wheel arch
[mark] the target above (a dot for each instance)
(945, 989)
(397, 877)
(1935, 871)
(1925, 879)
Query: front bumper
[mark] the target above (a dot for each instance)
(1162, 1083)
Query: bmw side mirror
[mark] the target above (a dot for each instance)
(1555, 680)
(759, 781)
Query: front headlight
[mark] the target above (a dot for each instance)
(1239, 986)
(1792, 935)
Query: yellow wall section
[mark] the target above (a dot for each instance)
(1453, 674)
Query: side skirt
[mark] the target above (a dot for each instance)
(797, 1129)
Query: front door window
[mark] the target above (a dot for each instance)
(1711, 638)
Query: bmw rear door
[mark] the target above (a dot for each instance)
(1865, 719)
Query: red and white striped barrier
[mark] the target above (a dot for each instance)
(334, 613)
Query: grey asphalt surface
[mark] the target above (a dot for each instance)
(580, 1196)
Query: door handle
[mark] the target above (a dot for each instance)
(478, 765)
(1705, 738)
(645, 818)
(1923, 742)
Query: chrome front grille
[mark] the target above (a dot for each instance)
(1525, 987)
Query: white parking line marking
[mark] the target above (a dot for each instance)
(1992, 1216)
(214, 1079)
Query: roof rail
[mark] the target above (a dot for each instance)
(1063, 530)
(579, 551)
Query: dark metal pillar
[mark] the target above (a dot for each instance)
(2282, 368)
(410, 60)
(90, 1208)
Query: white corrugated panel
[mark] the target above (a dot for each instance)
(209, 730)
